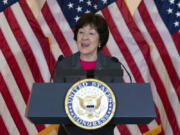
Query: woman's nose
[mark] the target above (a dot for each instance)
(85, 36)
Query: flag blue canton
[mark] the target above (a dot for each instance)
(170, 12)
(73, 9)
(6, 3)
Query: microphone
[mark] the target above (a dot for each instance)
(60, 58)
(116, 60)
(90, 73)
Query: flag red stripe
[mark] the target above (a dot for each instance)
(14, 68)
(126, 53)
(12, 107)
(106, 51)
(157, 116)
(176, 38)
(136, 35)
(3, 129)
(123, 129)
(25, 47)
(162, 93)
(55, 30)
(160, 45)
(143, 128)
(38, 32)
(16, 71)
(40, 127)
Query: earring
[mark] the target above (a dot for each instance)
(99, 45)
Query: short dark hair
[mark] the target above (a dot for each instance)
(98, 22)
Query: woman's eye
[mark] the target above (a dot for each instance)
(91, 33)
(80, 32)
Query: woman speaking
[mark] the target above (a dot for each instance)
(91, 35)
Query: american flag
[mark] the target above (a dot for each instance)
(170, 13)
(25, 57)
(73, 9)
(160, 30)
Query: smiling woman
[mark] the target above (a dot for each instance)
(96, 22)
(91, 34)
(87, 43)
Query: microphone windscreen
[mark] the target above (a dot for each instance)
(114, 59)
(61, 57)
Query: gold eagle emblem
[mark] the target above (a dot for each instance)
(89, 105)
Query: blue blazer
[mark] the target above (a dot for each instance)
(73, 63)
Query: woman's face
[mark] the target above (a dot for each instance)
(87, 40)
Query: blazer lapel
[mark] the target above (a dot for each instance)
(76, 61)
(101, 62)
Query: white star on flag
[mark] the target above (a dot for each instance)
(87, 11)
(76, 18)
(178, 4)
(5, 2)
(171, 1)
(95, 6)
(177, 14)
(176, 24)
(104, 1)
(89, 3)
(70, 5)
(79, 9)
(169, 11)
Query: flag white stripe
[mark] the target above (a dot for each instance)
(62, 23)
(116, 131)
(152, 124)
(15, 93)
(133, 129)
(6, 116)
(56, 51)
(157, 100)
(160, 67)
(166, 38)
(16, 50)
(172, 96)
(128, 39)
(32, 40)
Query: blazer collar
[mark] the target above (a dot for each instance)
(100, 63)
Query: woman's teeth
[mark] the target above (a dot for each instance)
(85, 44)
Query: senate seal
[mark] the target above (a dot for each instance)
(90, 104)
